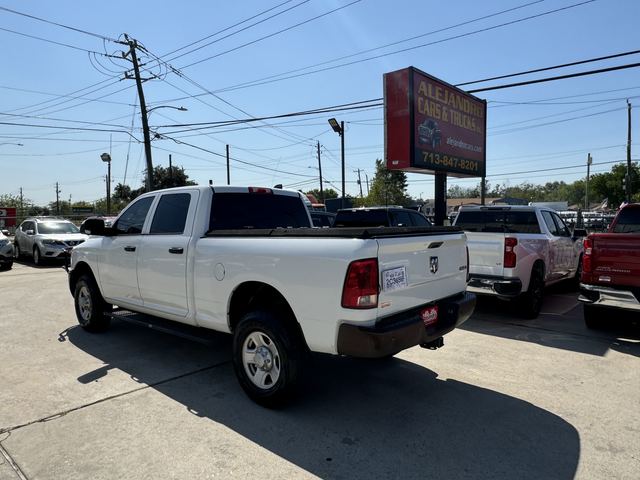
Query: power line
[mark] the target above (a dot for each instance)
(58, 95)
(63, 120)
(415, 37)
(273, 34)
(57, 24)
(69, 128)
(555, 67)
(233, 33)
(559, 77)
(375, 57)
(47, 40)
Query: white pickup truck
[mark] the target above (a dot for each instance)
(515, 251)
(244, 260)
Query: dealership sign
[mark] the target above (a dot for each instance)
(7, 217)
(431, 126)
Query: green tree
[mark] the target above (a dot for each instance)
(610, 185)
(328, 193)
(388, 187)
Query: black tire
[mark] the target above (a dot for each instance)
(6, 266)
(37, 256)
(593, 316)
(280, 350)
(90, 306)
(531, 300)
(576, 278)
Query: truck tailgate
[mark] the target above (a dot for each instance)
(616, 259)
(486, 251)
(420, 269)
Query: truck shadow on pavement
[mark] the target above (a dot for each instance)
(566, 331)
(353, 418)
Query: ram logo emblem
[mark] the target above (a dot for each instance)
(433, 265)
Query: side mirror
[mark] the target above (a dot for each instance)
(5, 232)
(93, 226)
(579, 232)
(30, 232)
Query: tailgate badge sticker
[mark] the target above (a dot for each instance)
(433, 264)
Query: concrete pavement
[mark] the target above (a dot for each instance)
(505, 398)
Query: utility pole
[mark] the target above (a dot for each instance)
(628, 177)
(320, 175)
(342, 156)
(170, 172)
(586, 189)
(367, 178)
(228, 169)
(483, 190)
(133, 44)
(359, 181)
(21, 205)
(58, 191)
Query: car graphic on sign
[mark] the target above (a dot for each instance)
(429, 133)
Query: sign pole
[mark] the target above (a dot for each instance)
(440, 198)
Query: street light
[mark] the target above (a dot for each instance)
(339, 129)
(105, 157)
(181, 109)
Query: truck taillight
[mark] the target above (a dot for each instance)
(509, 252)
(587, 243)
(361, 284)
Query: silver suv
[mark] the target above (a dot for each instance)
(6, 251)
(46, 237)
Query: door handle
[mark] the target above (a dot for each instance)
(129, 249)
(177, 250)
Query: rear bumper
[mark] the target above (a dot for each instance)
(404, 330)
(500, 286)
(608, 297)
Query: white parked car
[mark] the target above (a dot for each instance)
(515, 251)
(246, 261)
(46, 238)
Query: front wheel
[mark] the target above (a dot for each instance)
(37, 257)
(268, 357)
(90, 306)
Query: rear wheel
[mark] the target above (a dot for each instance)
(90, 306)
(268, 357)
(531, 301)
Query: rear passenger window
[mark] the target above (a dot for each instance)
(420, 220)
(503, 221)
(132, 220)
(171, 214)
(548, 219)
(401, 219)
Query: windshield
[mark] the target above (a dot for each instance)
(362, 218)
(504, 221)
(51, 228)
(628, 221)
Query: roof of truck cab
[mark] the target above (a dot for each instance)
(225, 189)
(517, 208)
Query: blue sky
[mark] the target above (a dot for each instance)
(522, 136)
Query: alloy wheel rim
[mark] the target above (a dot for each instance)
(84, 303)
(261, 360)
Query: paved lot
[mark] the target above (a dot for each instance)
(505, 398)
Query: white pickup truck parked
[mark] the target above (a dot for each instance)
(515, 251)
(236, 260)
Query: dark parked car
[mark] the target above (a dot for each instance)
(380, 217)
(322, 219)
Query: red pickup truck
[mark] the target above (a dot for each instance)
(611, 268)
